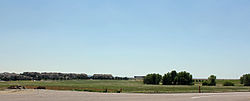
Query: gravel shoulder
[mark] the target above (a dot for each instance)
(53, 95)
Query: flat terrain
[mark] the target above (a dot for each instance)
(51, 95)
(128, 86)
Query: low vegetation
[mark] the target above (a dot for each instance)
(211, 81)
(228, 83)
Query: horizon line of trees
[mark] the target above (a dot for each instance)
(55, 76)
(170, 78)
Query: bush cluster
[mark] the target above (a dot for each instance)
(171, 78)
(228, 83)
(205, 83)
(174, 78)
(211, 81)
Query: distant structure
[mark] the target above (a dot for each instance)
(139, 77)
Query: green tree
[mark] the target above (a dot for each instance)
(166, 80)
(212, 80)
(169, 78)
(184, 78)
(241, 80)
(152, 79)
(246, 79)
(173, 77)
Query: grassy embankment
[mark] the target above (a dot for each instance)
(131, 86)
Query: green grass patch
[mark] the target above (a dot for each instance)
(128, 86)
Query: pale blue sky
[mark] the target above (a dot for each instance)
(126, 37)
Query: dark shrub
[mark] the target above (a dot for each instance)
(205, 83)
(211, 81)
(40, 87)
(228, 83)
(105, 91)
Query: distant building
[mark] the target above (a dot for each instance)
(139, 77)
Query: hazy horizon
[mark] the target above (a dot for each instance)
(126, 38)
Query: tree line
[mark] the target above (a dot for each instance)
(185, 78)
(55, 76)
(171, 78)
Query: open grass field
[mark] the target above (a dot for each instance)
(128, 86)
